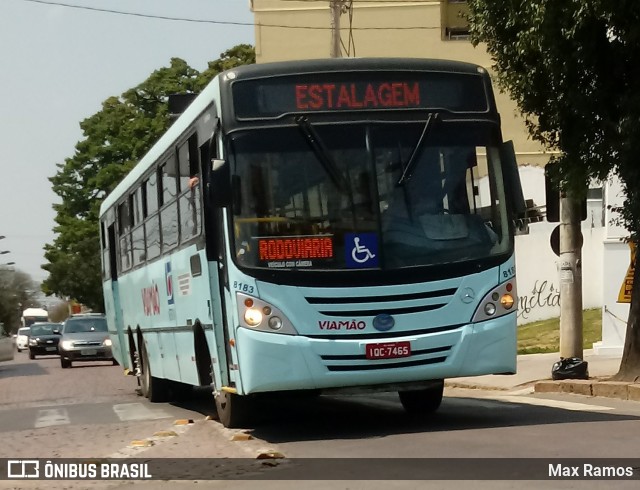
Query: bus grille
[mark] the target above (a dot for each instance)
(333, 306)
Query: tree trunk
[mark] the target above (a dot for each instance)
(630, 363)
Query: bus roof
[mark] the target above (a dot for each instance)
(355, 64)
(205, 98)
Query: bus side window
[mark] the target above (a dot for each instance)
(124, 230)
(169, 206)
(150, 210)
(190, 201)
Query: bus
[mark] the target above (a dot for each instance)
(319, 226)
(34, 315)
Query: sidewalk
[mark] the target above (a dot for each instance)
(534, 374)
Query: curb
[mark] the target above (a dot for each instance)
(621, 390)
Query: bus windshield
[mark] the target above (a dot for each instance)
(376, 195)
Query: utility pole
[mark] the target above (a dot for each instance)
(335, 7)
(570, 277)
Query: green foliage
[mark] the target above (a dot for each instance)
(572, 67)
(115, 139)
(17, 293)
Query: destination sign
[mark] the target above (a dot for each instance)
(359, 91)
(295, 248)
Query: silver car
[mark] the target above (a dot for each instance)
(85, 338)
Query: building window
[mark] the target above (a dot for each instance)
(457, 33)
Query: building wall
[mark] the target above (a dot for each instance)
(616, 261)
(537, 265)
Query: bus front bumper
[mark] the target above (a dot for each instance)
(274, 362)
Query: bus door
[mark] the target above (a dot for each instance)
(218, 339)
(121, 354)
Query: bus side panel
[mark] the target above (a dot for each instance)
(169, 355)
(191, 305)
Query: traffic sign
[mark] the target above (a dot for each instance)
(624, 296)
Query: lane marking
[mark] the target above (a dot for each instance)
(581, 407)
(138, 411)
(52, 416)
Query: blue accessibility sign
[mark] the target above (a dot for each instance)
(361, 250)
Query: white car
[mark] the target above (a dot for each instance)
(22, 340)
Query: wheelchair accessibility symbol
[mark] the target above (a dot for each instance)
(361, 249)
(361, 253)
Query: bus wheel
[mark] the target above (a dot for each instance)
(420, 402)
(232, 409)
(155, 389)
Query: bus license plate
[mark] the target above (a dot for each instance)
(388, 350)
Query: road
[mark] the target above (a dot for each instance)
(92, 411)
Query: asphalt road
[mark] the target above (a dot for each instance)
(93, 411)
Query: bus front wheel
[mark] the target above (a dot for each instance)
(232, 409)
(421, 402)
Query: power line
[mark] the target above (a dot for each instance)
(219, 22)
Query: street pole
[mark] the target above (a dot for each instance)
(570, 278)
(335, 8)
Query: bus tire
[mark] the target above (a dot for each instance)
(155, 389)
(232, 409)
(421, 402)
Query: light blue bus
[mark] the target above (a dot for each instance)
(321, 226)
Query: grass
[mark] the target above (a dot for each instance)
(544, 336)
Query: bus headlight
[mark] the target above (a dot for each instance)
(497, 302)
(257, 314)
(253, 317)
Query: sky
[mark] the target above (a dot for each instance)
(58, 64)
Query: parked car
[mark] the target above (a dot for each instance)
(85, 338)
(22, 339)
(43, 339)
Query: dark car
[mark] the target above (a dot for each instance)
(43, 339)
(85, 338)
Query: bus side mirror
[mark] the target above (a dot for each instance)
(512, 184)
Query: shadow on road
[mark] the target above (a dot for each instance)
(282, 418)
(21, 368)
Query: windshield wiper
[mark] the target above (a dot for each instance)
(417, 150)
(321, 152)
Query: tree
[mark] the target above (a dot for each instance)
(115, 139)
(17, 293)
(573, 68)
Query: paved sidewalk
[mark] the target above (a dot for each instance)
(534, 375)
